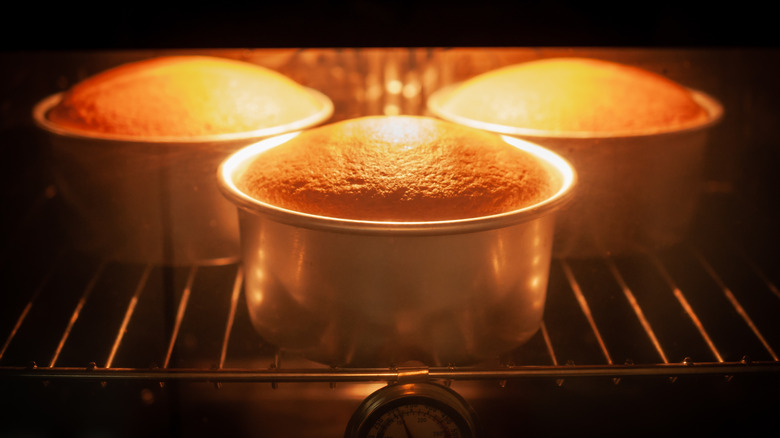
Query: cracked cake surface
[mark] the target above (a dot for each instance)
(575, 95)
(398, 169)
(183, 96)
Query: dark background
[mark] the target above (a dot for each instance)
(378, 23)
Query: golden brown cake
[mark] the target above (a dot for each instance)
(575, 95)
(398, 169)
(183, 96)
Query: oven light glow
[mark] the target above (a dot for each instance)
(256, 297)
(392, 109)
(496, 264)
(394, 86)
(411, 90)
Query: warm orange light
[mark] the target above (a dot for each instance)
(398, 169)
(571, 95)
(187, 96)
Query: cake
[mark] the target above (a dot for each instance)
(183, 96)
(574, 95)
(397, 169)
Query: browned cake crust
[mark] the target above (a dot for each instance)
(400, 169)
(183, 96)
(575, 95)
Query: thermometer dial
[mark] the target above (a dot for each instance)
(413, 410)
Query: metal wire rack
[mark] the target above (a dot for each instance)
(690, 310)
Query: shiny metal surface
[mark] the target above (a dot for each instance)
(364, 293)
(150, 200)
(384, 375)
(636, 192)
(414, 409)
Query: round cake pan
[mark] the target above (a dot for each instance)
(364, 293)
(150, 200)
(636, 192)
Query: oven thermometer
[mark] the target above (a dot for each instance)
(413, 410)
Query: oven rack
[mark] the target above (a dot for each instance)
(696, 309)
(400, 375)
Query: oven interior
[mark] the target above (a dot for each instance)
(682, 341)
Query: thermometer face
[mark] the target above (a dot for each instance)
(415, 419)
(413, 411)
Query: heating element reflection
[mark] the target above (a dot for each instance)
(256, 295)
